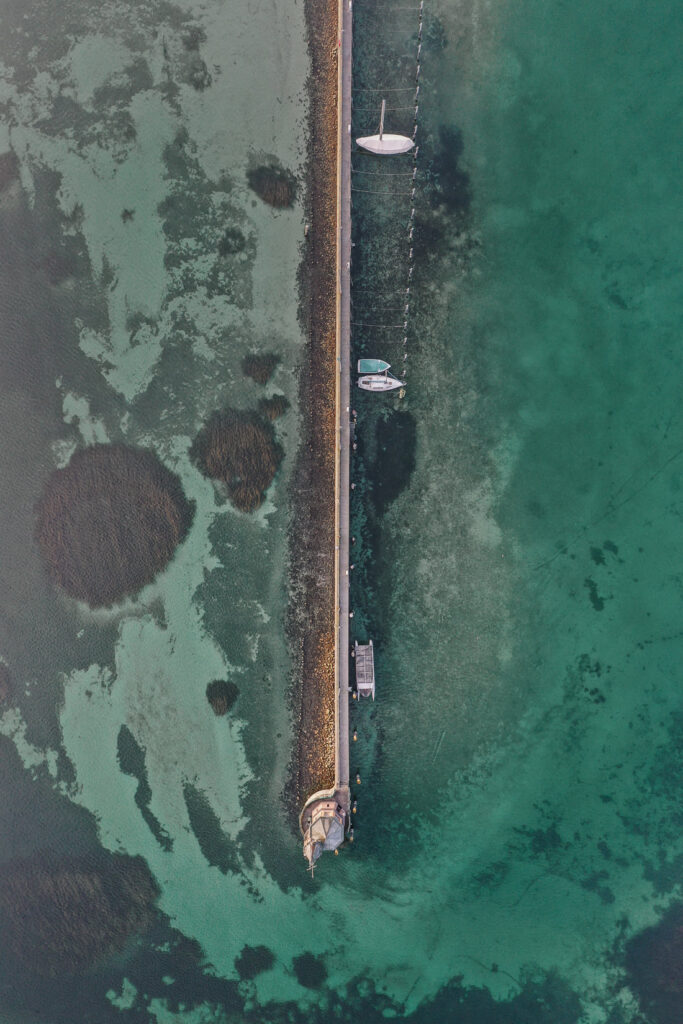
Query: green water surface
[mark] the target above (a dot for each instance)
(518, 512)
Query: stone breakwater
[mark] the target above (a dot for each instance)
(312, 612)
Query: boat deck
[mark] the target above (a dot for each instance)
(365, 669)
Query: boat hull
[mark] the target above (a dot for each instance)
(372, 366)
(387, 145)
(377, 382)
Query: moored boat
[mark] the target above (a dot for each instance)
(380, 382)
(385, 144)
(373, 366)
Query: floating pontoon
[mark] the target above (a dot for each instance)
(365, 669)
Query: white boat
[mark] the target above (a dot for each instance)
(385, 144)
(380, 382)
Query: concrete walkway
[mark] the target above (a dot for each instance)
(343, 392)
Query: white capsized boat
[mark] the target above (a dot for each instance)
(385, 144)
(380, 382)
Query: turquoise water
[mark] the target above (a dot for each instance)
(518, 512)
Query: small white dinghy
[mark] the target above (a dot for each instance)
(380, 382)
(385, 144)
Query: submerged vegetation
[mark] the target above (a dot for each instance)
(9, 169)
(310, 970)
(260, 366)
(273, 184)
(253, 960)
(109, 521)
(221, 695)
(62, 917)
(654, 964)
(274, 407)
(232, 242)
(238, 448)
(5, 683)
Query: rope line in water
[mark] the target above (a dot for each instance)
(377, 192)
(381, 88)
(369, 110)
(382, 327)
(415, 88)
(372, 129)
(381, 174)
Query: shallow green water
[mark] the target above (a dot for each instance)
(517, 562)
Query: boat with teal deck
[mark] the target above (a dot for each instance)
(372, 366)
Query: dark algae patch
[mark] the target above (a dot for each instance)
(64, 916)
(110, 521)
(450, 184)
(5, 684)
(219, 851)
(131, 758)
(260, 366)
(238, 448)
(310, 970)
(395, 461)
(221, 695)
(9, 170)
(273, 184)
(274, 407)
(654, 966)
(254, 960)
(233, 242)
(595, 599)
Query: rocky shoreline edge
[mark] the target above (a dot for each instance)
(311, 614)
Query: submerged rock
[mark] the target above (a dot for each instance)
(239, 449)
(110, 521)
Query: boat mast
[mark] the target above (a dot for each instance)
(381, 120)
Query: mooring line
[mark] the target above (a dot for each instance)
(412, 174)
(377, 192)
